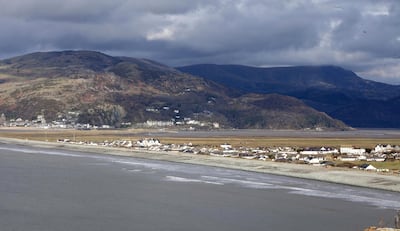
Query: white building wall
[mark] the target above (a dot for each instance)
(351, 150)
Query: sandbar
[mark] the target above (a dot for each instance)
(345, 176)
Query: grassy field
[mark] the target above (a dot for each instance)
(248, 141)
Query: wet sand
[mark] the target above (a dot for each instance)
(333, 175)
(58, 189)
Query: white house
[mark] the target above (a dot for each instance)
(380, 148)
(152, 123)
(348, 158)
(316, 160)
(368, 167)
(148, 142)
(351, 150)
(316, 151)
(226, 146)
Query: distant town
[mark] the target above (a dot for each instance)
(316, 156)
(70, 121)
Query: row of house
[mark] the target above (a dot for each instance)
(186, 121)
(321, 155)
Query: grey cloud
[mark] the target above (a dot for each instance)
(376, 35)
(57, 10)
(164, 7)
(362, 34)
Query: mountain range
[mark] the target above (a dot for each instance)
(111, 90)
(336, 91)
(103, 89)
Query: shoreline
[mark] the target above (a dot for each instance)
(332, 175)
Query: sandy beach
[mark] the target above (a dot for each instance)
(333, 175)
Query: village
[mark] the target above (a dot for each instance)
(346, 156)
(69, 120)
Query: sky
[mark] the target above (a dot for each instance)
(360, 35)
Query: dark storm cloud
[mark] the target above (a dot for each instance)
(375, 30)
(362, 34)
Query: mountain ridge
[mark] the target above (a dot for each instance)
(333, 90)
(113, 90)
(303, 76)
